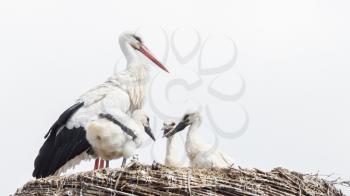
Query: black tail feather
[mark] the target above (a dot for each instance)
(58, 150)
(61, 144)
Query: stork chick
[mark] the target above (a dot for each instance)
(113, 142)
(200, 154)
(172, 158)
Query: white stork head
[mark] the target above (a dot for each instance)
(131, 45)
(167, 127)
(134, 78)
(141, 117)
(192, 118)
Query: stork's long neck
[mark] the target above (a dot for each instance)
(134, 64)
(193, 140)
(128, 51)
(135, 76)
(170, 147)
(192, 131)
(172, 156)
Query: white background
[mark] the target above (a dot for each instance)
(293, 56)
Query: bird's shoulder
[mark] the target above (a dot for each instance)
(100, 92)
(64, 118)
(94, 94)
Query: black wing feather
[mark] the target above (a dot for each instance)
(69, 144)
(62, 120)
(126, 129)
(62, 145)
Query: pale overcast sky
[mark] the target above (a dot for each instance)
(280, 93)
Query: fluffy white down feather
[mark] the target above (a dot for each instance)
(200, 154)
(120, 95)
(172, 156)
(112, 97)
(110, 142)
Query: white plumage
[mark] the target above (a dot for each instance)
(111, 142)
(172, 156)
(119, 96)
(200, 154)
(123, 93)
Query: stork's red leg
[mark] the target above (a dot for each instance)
(102, 164)
(97, 161)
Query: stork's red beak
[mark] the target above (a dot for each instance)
(149, 55)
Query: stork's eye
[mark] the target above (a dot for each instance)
(186, 116)
(147, 118)
(137, 38)
(172, 124)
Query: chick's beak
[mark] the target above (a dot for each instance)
(181, 126)
(148, 130)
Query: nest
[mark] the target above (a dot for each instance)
(158, 179)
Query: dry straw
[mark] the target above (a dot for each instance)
(160, 180)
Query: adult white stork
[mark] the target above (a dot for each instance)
(119, 96)
(200, 154)
(172, 157)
